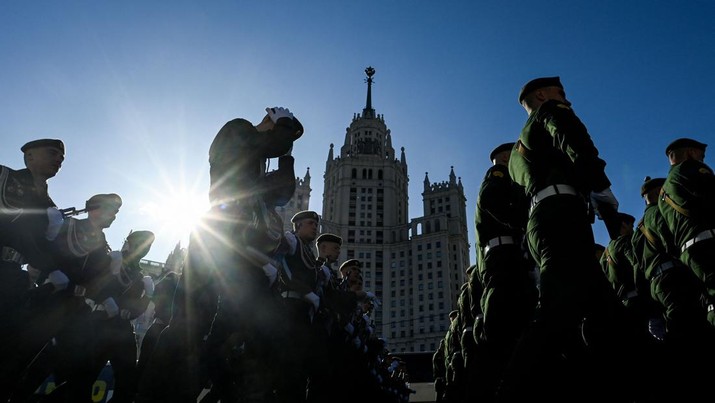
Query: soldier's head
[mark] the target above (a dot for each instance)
(44, 157)
(627, 222)
(651, 189)
(350, 266)
(685, 149)
(539, 90)
(328, 246)
(305, 225)
(137, 245)
(102, 209)
(500, 155)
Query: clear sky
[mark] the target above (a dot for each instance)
(137, 90)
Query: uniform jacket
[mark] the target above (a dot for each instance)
(556, 149)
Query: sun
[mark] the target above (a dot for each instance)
(176, 212)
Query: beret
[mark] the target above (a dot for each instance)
(500, 148)
(44, 143)
(142, 240)
(305, 214)
(103, 200)
(350, 263)
(329, 238)
(650, 184)
(684, 142)
(141, 237)
(537, 83)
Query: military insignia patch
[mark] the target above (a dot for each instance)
(563, 106)
(498, 174)
(704, 170)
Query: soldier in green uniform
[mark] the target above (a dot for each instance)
(453, 359)
(616, 262)
(509, 295)
(557, 163)
(619, 266)
(686, 203)
(677, 292)
(439, 372)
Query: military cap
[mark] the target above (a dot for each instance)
(500, 148)
(142, 241)
(103, 200)
(537, 83)
(44, 143)
(625, 217)
(329, 238)
(650, 184)
(305, 214)
(350, 263)
(684, 142)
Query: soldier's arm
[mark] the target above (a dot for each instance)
(571, 137)
(496, 196)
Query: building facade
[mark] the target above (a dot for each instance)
(415, 267)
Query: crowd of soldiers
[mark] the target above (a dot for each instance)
(547, 314)
(255, 314)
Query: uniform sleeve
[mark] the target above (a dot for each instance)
(495, 191)
(571, 137)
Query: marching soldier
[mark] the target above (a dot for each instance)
(300, 304)
(24, 219)
(323, 380)
(677, 292)
(81, 249)
(439, 372)
(558, 165)
(686, 203)
(240, 271)
(129, 293)
(509, 294)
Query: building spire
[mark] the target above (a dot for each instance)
(369, 112)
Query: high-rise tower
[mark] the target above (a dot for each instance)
(414, 267)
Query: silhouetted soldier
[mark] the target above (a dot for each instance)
(509, 293)
(24, 204)
(229, 256)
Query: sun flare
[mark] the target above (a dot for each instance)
(176, 213)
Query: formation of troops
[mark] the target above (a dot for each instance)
(262, 315)
(547, 314)
(255, 315)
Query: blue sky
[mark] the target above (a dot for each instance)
(137, 90)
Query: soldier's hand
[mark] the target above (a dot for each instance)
(278, 112)
(58, 279)
(603, 200)
(314, 299)
(111, 307)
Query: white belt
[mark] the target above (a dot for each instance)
(662, 268)
(11, 255)
(551, 190)
(292, 294)
(707, 234)
(500, 240)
